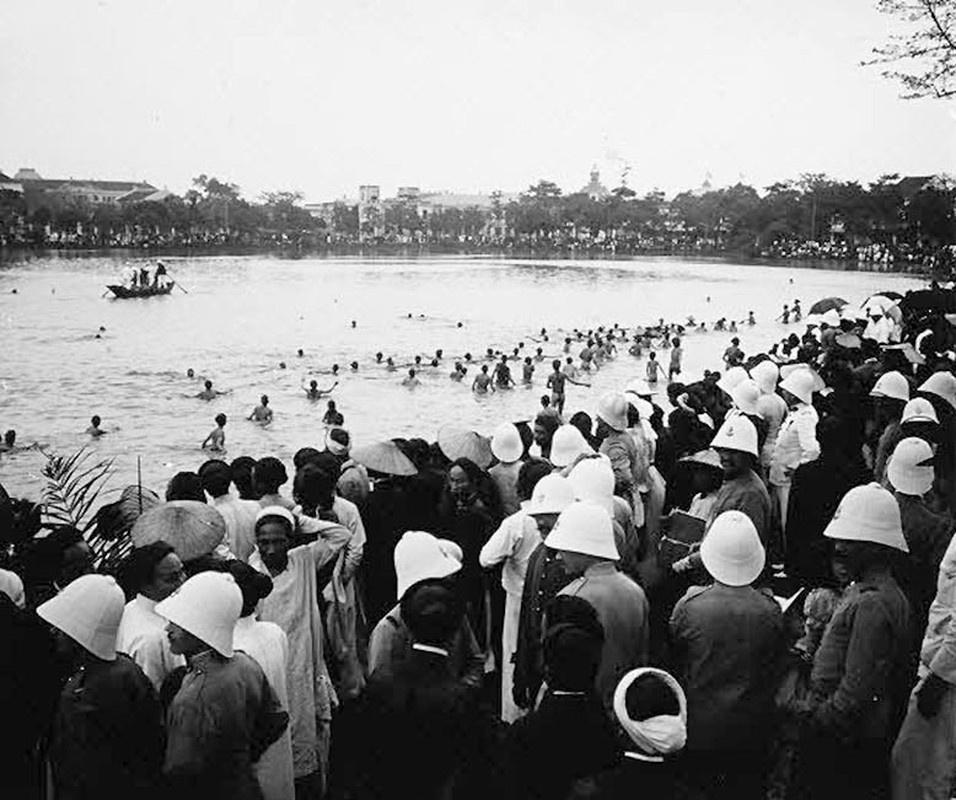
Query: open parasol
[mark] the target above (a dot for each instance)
(457, 443)
(827, 304)
(194, 529)
(894, 296)
(384, 457)
(114, 519)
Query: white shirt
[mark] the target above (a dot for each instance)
(240, 517)
(513, 542)
(142, 636)
(268, 646)
(796, 444)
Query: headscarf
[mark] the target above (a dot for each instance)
(12, 587)
(658, 736)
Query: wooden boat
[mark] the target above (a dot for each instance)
(126, 292)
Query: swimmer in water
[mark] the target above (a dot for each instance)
(458, 326)
(751, 320)
(468, 358)
(354, 366)
(9, 444)
(527, 370)
(390, 364)
(208, 393)
(190, 373)
(354, 324)
(95, 430)
(438, 354)
(459, 372)
(216, 440)
(332, 415)
(315, 393)
(556, 383)
(378, 357)
(300, 352)
(262, 413)
(502, 374)
(482, 382)
(411, 381)
(282, 365)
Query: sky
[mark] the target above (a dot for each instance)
(320, 96)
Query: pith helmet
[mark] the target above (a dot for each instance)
(868, 513)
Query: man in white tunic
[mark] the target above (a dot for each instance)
(294, 606)
(513, 543)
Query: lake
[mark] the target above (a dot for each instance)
(243, 315)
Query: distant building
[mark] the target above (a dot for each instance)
(595, 189)
(41, 192)
(371, 215)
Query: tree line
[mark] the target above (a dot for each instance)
(813, 215)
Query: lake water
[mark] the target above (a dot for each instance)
(243, 315)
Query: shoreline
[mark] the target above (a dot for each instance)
(16, 255)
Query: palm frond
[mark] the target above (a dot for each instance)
(74, 486)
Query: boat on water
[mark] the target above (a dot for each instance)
(127, 292)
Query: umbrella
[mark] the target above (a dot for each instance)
(194, 529)
(457, 443)
(384, 457)
(894, 296)
(826, 304)
(117, 518)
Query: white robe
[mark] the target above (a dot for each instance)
(268, 646)
(294, 606)
(513, 543)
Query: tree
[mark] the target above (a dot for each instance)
(923, 56)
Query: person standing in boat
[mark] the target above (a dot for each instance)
(159, 277)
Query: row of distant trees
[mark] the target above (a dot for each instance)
(738, 218)
(811, 208)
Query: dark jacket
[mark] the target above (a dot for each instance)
(108, 735)
(567, 738)
(545, 577)
(421, 729)
(728, 642)
(630, 777)
(861, 670)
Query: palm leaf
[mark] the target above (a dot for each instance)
(73, 490)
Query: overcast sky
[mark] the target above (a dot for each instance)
(321, 96)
